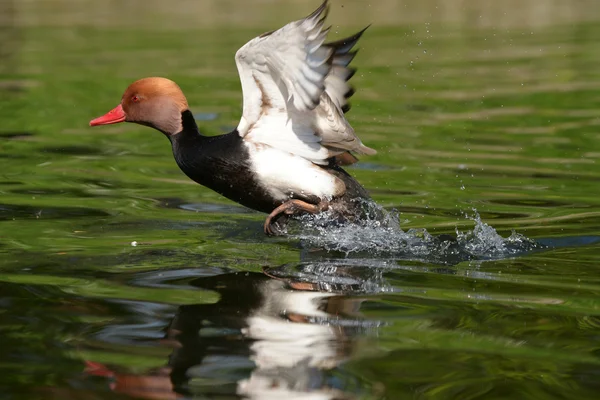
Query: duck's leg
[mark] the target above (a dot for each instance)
(292, 207)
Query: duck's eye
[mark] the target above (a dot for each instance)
(135, 99)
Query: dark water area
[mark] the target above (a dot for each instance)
(121, 279)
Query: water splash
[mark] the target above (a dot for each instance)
(384, 237)
(484, 242)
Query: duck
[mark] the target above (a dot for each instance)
(285, 156)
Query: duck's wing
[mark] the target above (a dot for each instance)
(336, 82)
(295, 90)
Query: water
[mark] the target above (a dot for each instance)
(122, 279)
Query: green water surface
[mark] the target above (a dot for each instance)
(110, 255)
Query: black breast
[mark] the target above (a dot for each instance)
(220, 163)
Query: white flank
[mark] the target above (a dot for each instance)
(284, 174)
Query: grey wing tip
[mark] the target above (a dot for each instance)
(323, 9)
(343, 46)
(358, 34)
(367, 150)
(349, 93)
(351, 73)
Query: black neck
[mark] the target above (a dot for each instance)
(197, 155)
(189, 130)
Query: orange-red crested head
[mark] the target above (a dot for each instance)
(156, 102)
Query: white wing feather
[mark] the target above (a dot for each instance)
(295, 90)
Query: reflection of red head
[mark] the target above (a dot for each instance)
(97, 369)
(153, 386)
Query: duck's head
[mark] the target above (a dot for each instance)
(154, 102)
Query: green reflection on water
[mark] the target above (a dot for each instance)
(502, 117)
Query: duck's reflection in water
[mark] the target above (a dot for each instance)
(273, 335)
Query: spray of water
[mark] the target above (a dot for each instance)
(383, 236)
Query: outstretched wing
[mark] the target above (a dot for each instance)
(336, 82)
(295, 90)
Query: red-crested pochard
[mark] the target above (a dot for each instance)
(284, 157)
